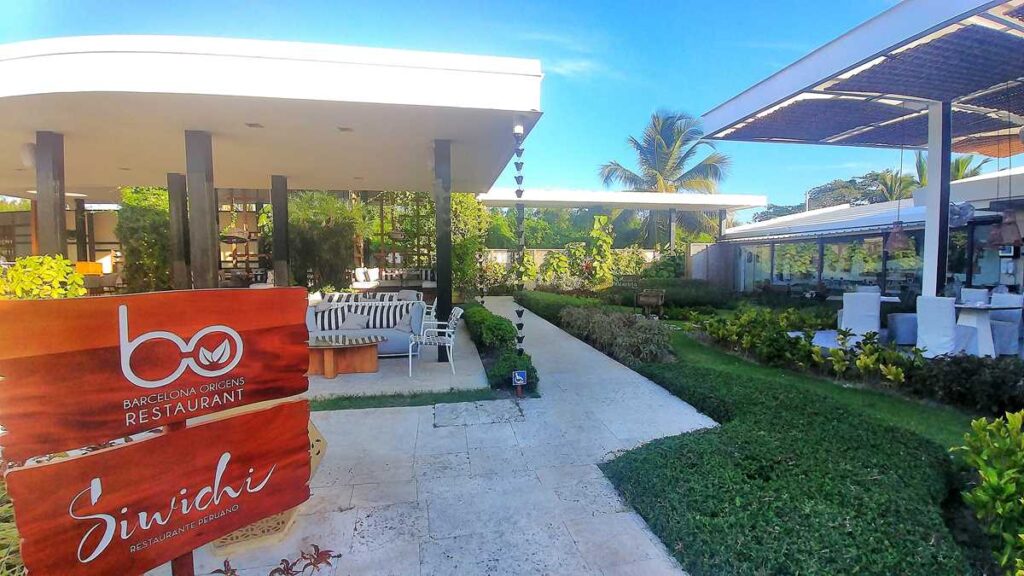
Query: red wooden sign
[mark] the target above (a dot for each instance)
(87, 370)
(130, 508)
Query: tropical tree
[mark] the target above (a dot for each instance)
(667, 161)
(959, 168)
(893, 185)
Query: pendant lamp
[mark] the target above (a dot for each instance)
(898, 241)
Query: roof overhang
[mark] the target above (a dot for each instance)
(326, 116)
(506, 198)
(873, 85)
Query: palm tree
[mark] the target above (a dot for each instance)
(959, 168)
(893, 185)
(665, 159)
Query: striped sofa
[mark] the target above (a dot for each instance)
(386, 319)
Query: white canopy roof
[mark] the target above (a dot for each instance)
(325, 116)
(561, 198)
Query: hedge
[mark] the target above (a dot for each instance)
(791, 482)
(495, 337)
(549, 305)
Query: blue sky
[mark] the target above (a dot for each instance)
(608, 64)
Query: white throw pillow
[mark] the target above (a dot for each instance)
(374, 274)
(316, 298)
(354, 322)
(404, 323)
(360, 274)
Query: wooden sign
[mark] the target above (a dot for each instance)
(84, 371)
(133, 507)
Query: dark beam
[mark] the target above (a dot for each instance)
(177, 197)
(50, 208)
(81, 231)
(204, 240)
(90, 225)
(279, 208)
(443, 226)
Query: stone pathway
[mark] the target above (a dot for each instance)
(488, 488)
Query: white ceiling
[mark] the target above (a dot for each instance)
(123, 104)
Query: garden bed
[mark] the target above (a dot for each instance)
(495, 339)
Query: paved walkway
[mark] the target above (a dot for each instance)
(488, 488)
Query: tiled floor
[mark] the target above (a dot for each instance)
(428, 375)
(498, 487)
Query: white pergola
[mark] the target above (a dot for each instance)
(945, 75)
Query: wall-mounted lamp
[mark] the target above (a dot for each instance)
(28, 155)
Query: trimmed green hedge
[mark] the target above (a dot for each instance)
(791, 482)
(679, 293)
(549, 305)
(495, 337)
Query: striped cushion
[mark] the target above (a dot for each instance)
(341, 297)
(380, 297)
(381, 315)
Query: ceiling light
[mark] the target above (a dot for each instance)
(254, 125)
(357, 177)
(344, 129)
(28, 155)
(124, 169)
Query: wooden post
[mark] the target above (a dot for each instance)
(51, 220)
(204, 239)
(177, 197)
(279, 207)
(81, 248)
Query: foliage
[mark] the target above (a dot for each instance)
(41, 278)
(14, 204)
(987, 385)
(555, 269)
(996, 450)
(599, 267)
(322, 227)
(499, 374)
(452, 396)
(893, 185)
(669, 143)
(10, 542)
(489, 330)
(776, 210)
(855, 190)
(670, 264)
(796, 259)
(548, 306)
(144, 230)
(470, 221)
(790, 482)
(628, 262)
(679, 293)
(960, 167)
(629, 338)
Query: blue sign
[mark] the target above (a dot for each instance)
(519, 378)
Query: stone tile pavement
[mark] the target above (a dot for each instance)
(497, 487)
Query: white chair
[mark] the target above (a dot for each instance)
(861, 314)
(410, 295)
(1006, 324)
(974, 296)
(937, 330)
(431, 308)
(437, 334)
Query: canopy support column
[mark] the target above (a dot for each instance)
(81, 242)
(204, 240)
(51, 222)
(177, 199)
(672, 228)
(936, 229)
(443, 227)
(279, 209)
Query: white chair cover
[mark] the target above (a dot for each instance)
(937, 332)
(1006, 324)
(862, 312)
(974, 296)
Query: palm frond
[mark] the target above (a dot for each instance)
(613, 172)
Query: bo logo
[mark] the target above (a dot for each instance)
(206, 358)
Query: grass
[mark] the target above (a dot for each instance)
(941, 424)
(401, 400)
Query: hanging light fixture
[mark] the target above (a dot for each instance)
(1006, 232)
(898, 241)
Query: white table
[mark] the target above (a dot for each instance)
(888, 299)
(978, 317)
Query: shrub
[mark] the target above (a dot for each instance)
(499, 374)
(548, 305)
(489, 330)
(996, 450)
(10, 542)
(629, 338)
(988, 385)
(143, 229)
(41, 278)
(791, 482)
(679, 293)
(670, 264)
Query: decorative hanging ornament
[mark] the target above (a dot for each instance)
(898, 241)
(1007, 232)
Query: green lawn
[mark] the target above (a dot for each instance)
(942, 424)
(399, 400)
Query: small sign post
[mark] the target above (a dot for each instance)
(519, 380)
(80, 375)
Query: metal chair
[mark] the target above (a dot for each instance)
(437, 334)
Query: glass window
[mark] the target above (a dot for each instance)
(903, 269)
(956, 256)
(850, 263)
(985, 260)
(753, 266)
(796, 264)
